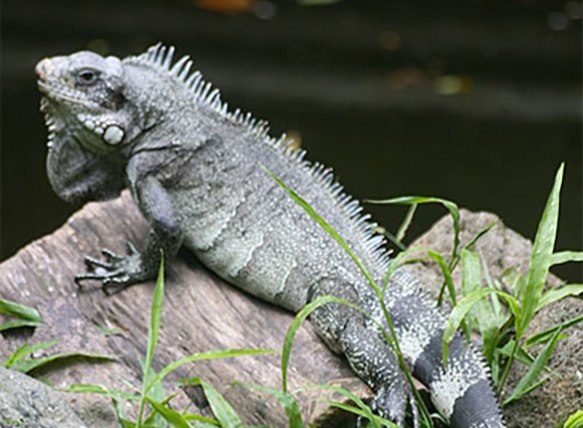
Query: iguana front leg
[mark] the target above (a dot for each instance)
(165, 237)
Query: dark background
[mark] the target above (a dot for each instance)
(477, 101)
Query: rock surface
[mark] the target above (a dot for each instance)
(202, 313)
(26, 402)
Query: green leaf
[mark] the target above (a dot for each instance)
(415, 200)
(402, 258)
(211, 355)
(169, 415)
(295, 326)
(8, 307)
(530, 378)
(459, 312)
(560, 293)
(406, 223)
(88, 388)
(575, 420)
(366, 410)
(153, 330)
(287, 402)
(566, 256)
(109, 331)
(9, 325)
(156, 393)
(26, 316)
(221, 408)
(541, 257)
(199, 418)
(546, 335)
(28, 365)
(25, 350)
(479, 234)
(438, 258)
(456, 317)
(522, 355)
(482, 316)
(324, 225)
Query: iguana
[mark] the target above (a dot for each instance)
(197, 172)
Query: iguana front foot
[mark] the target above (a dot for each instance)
(115, 270)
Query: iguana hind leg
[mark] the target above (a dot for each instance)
(349, 332)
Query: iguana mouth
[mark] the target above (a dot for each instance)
(60, 93)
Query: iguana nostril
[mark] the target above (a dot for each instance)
(43, 68)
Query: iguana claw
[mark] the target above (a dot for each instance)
(115, 270)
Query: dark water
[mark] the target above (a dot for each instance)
(478, 104)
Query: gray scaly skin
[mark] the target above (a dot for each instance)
(196, 171)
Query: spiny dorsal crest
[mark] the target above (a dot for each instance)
(160, 57)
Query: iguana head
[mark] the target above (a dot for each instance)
(89, 121)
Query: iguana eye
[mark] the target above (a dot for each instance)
(86, 77)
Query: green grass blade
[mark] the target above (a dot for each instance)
(404, 257)
(470, 244)
(109, 331)
(287, 402)
(211, 355)
(199, 418)
(153, 330)
(169, 415)
(481, 316)
(459, 312)
(438, 258)
(560, 293)
(523, 356)
(566, 257)
(364, 408)
(88, 388)
(546, 335)
(28, 365)
(530, 378)
(406, 223)
(575, 420)
(13, 324)
(415, 200)
(221, 408)
(541, 259)
(375, 420)
(295, 326)
(324, 225)
(26, 316)
(8, 307)
(456, 317)
(156, 393)
(25, 350)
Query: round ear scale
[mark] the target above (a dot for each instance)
(113, 135)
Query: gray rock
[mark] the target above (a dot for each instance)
(26, 402)
(502, 249)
